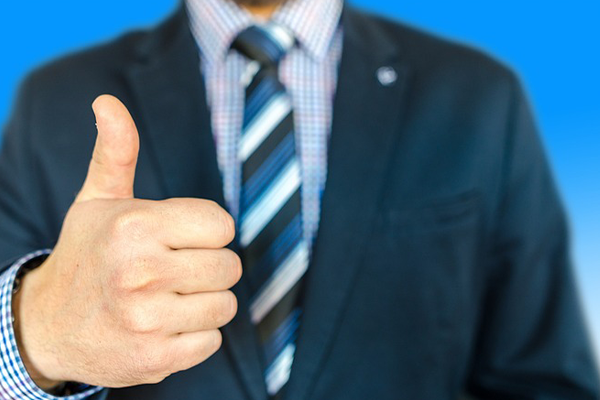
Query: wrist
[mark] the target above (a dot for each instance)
(40, 380)
(22, 300)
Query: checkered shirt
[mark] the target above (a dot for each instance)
(308, 71)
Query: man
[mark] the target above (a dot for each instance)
(399, 229)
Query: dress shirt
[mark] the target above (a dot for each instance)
(309, 72)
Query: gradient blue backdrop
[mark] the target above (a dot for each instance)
(553, 45)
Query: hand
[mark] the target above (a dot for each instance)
(135, 290)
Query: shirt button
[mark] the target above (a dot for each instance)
(387, 76)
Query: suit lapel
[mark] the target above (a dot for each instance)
(170, 96)
(171, 100)
(365, 126)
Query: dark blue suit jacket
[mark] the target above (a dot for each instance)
(441, 265)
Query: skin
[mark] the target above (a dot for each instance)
(261, 8)
(135, 290)
(111, 306)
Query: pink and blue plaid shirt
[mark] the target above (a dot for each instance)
(309, 72)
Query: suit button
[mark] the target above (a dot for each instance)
(387, 76)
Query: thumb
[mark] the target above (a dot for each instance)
(112, 169)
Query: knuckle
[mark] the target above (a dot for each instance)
(237, 269)
(128, 224)
(155, 379)
(228, 227)
(223, 269)
(138, 320)
(157, 363)
(228, 309)
(213, 341)
(221, 309)
(232, 268)
(217, 340)
(234, 305)
(150, 365)
(135, 276)
(225, 232)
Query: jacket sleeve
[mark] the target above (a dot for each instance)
(532, 343)
(21, 225)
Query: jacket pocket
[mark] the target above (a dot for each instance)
(429, 253)
(433, 214)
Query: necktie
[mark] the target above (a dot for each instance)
(275, 254)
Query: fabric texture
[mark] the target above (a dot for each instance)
(274, 252)
(308, 71)
(441, 265)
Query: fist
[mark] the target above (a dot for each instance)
(135, 290)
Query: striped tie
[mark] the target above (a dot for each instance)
(275, 254)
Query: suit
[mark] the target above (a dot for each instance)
(441, 265)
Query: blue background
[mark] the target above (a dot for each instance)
(554, 45)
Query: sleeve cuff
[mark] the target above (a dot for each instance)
(15, 382)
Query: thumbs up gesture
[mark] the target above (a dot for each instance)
(135, 290)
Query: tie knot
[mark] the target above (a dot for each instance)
(266, 44)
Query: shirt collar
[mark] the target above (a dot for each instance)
(216, 23)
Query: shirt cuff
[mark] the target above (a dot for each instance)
(15, 382)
